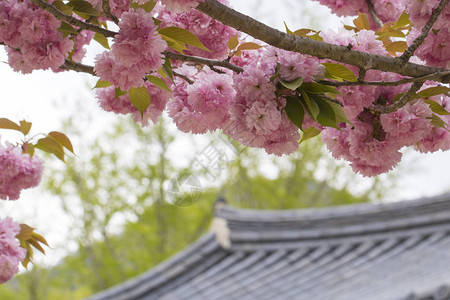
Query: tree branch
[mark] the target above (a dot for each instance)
(69, 65)
(71, 20)
(107, 11)
(425, 30)
(190, 81)
(204, 61)
(308, 46)
(373, 14)
(400, 103)
(434, 77)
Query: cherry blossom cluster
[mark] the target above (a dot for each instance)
(136, 51)
(435, 50)
(250, 101)
(11, 254)
(245, 106)
(32, 37)
(386, 10)
(122, 104)
(372, 142)
(213, 34)
(18, 171)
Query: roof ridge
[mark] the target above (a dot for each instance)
(352, 211)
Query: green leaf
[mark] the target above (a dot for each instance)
(233, 42)
(398, 46)
(28, 148)
(436, 121)
(118, 92)
(432, 91)
(102, 40)
(84, 7)
(182, 35)
(147, 6)
(309, 133)
(311, 105)
(8, 124)
(62, 139)
(339, 113)
(50, 145)
(292, 85)
(338, 71)
(288, 31)
(247, 46)
(62, 7)
(277, 71)
(25, 127)
(362, 21)
(326, 115)
(140, 98)
(303, 32)
(331, 113)
(350, 28)
(294, 110)
(402, 21)
(175, 45)
(67, 29)
(398, 96)
(167, 68)
(102, 84)
(436, 107)
(318, 88)
(158, 82)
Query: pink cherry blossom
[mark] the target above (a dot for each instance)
(33, 34)
(180, 5)
(122, 104)
(11, 254)
(203, 105)
(213, 34)
(19, 171)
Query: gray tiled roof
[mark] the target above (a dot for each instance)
(395, 251)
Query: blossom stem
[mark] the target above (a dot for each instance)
(438, 76)
(190, 81)
(204, 61)
(425, 31)
(71, 20)
(400, 103)
(70, 65)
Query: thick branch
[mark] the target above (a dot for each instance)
(204, 61)
(69, 65)
(373, 13)
(71, 20)
(319, 49)
(434, 77)
(425, 30)
(400, 103)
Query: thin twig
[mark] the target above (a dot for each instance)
(70, 65)
(71, 20)
(425, 30)
(373, 14)
(190, 81)
(438, 76)
(398, 104)
(204, 61)
(107, 11)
